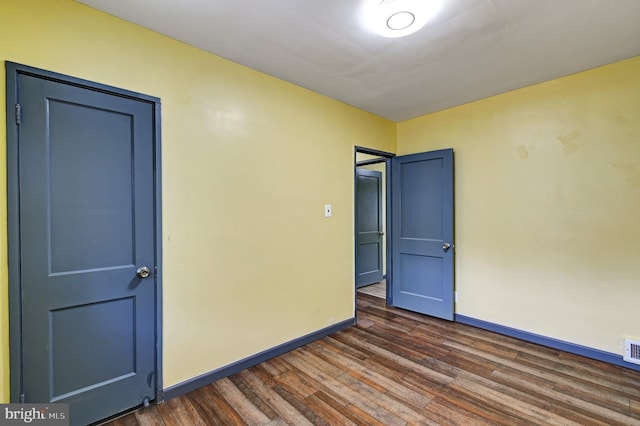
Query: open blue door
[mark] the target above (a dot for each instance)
(422, 233)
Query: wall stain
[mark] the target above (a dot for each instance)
(567, 142)
(622, 119)
(631, 172)
(522, 152)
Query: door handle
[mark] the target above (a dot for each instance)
(380, 233)
(143, 272)
(446, 246)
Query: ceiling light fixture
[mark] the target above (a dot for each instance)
(399, 18)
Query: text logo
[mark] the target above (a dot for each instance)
(34, 414)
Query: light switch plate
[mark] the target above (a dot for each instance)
(327, 210)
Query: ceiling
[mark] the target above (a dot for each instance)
(472, 49)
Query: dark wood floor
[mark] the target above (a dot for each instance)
(399, 368)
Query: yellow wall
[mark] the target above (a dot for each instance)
(547, 182)
(249, 161)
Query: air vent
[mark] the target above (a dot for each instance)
(632, 351)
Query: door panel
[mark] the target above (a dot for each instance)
(369, 227)
(86, 173)
(90, 187)
(78, 344)
(422, 222)
(421, 194)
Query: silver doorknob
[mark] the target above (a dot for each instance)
(143, 272)
(446, 246)
(380, 233)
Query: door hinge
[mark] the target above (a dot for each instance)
(22, 398)
(18, 114)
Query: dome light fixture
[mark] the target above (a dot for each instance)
(399, 18)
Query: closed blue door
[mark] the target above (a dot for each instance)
(86, 235)
(422, 233)
(369, 227)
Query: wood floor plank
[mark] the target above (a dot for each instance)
(278, 422)
(397, 367)
(522, 396)
(327, 412)
(444, 413)
(179, 411)
(575, 416)
(509, 404)
(523, 393)
(336, 345)
(212, 407)
(330, 366)
(528, 392)
(363, 372)
(249, 412)
(530, 379)
(275, 366)
(275, 401)
(149, 416)
(559, 361)
(391, 326)
(353, 414)
(563, 379)
(498, 350)
(395, 406)
(417, 345)
(367, 417)
(249, 394)
(357, 341)
(596, 395)
(588, 375)
(314, 417)
(319, 382)
(296, 384)
(465, 402)
(456, 361)
(263, 374)
(351, 395)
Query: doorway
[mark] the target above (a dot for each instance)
(419, 228)
(83, 167)
(371, 193)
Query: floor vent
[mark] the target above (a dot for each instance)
(632, 351)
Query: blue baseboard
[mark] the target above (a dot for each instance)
(212, 376)
(596, 354)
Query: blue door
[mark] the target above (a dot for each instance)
(86, 248)
(369, 227)
(422, 233)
